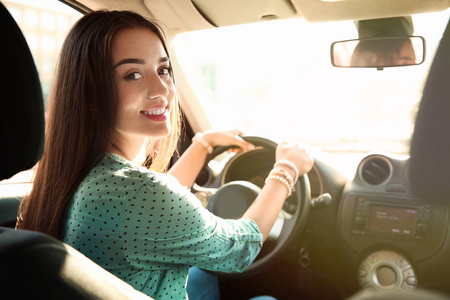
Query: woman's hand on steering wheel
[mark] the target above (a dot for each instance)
(233, 198)
(228, 138)
(297, 154)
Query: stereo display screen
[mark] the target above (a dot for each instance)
(388, 219)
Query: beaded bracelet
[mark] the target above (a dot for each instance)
(282, 176)
(282, 180)
(198, 137)
(288, 164)
(285, 174)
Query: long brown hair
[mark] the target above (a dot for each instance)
(82, 116)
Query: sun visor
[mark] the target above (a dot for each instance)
(232, 12)
(335, 10)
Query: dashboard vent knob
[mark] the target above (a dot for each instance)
(375, 170)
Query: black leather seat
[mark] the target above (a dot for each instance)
(429, 167)
(21, 105)
(34, 265)
(37, 266)
(22, 121)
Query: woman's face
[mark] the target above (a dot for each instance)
(145, 86)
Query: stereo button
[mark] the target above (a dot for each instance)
(411, 280)
(401, 262)
(362, 273)
(396, 187)
(422, 228)
(360, 221)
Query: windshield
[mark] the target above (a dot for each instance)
(275, 79)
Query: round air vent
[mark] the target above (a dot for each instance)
(375, 170)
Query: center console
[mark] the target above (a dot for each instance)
(389, 235)
(401, 221)
(406, 224)
(386, 270)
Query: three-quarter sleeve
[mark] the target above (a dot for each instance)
(165, 225)
(148, 230)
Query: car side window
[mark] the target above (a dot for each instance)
(44, 25)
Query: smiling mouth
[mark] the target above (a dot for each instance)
(155, 112)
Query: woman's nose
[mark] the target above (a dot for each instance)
(157, 87)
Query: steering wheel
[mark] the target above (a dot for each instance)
(232, 199)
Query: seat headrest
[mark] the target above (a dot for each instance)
(21, 101)
(429, 164)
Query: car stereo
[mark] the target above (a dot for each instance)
(383, 219)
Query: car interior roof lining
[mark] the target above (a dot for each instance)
(187, 15)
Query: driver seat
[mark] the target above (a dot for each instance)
(34, 265)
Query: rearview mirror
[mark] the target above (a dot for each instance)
(378, 52)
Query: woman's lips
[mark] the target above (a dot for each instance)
(156, 114)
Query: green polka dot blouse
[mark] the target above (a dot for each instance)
(147, 229)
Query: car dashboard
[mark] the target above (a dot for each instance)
(383, 224)
(375, 230)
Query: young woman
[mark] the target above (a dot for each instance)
(114, 103)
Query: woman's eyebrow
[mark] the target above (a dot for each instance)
(130, 61)
(138, 61)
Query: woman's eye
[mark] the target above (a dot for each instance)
(133, 76)
(165, 71)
